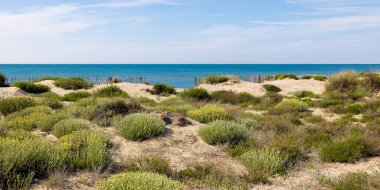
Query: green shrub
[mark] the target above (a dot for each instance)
(271, 88)
(50, 102)
(209, 113)
(267, 101)
(290, 105)
(111, 91)
(140, 126)
(223, 132)
(75, 96)
(371, 81)
(284, 76)
(304, 94)
(352, 181)
(47, 123)
(358, 108)
(163, 89)
(74, 83)
(263, 163)
(139, 180)
(316, 140)
(150, 164)
(23, 159)
(357, 93)
(196, 93)
(346, 150)
(31, 87)
(10, 105)
(68, 126)
(28, 118)
(231, 97)
(215, 79)
(343, 82)
(174, 105)
(85, 149)
(48, 78)
(289, 146)
(315, 77)
(3, 79)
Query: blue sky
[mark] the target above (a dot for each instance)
(190, 31)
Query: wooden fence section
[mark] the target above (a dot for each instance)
(95, 80)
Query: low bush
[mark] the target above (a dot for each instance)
(50, 102)
(357, 93)
(85, 150)
(10, 105)
(139, 180)
(267, 101)
(24, 159)
(354, 181)
(197, 172)
(371, 81)
(31, 87)
(231, 97)
(263, 163)
(215, 79)
(284, 76)
(28, 118)
(316, 139)
(290, 105)
(209, 113)
(196, 93)
(48, 78)
(73, 83)
(68, 126)
(140, 126)
(223, 132)
(174, 105)
(291, 147)
(271, 88)
(75, 96)
(346, 150)
(163, 89)
(343, 82)
(3, 79)
(111, 91)
(304, 94)
(150, 164)
(315, 77)
(358, 108)
(47, 123)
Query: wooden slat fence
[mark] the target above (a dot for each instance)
(95, 80)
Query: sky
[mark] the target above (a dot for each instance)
(190, 31)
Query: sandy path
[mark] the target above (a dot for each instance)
(306, 177)
(181, 146)
(287, 86)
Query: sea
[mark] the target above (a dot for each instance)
(179, 75)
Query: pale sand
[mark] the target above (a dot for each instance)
(287, 86)
(8, 92)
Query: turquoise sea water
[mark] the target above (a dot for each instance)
(178, 75)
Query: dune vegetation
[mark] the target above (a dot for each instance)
(108, 138)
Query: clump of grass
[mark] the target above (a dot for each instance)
(215, 79)
(231, 97)
(315, 77)
(223, 132)
(343, 82)
(140, 126)
(352, 180)
(31, 87)
(50, 102)
(111, 91)
(163, 90)
(358, 108)
(347, 150)
(290, 105)
(48, 78)
(195, 93)
(304, 94)
(3, 78)
(85, 149)
(68, 126)
(263, 163)
(28, 118)
(46, 123)
(174, 105)
(209, 113)
(370, 81)
(139, 180)
(10, 105)
(73, 83)
(271, 88)
(267, 101)
(150, 164)
(289, 146)
(24, 159)
(75, 96)
(284, 76)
